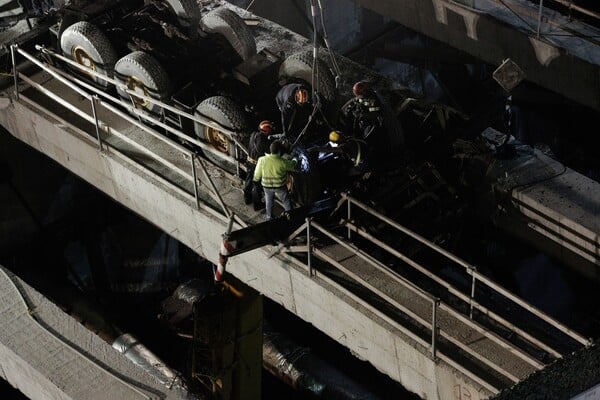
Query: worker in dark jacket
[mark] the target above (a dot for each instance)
(295, 108)
(258, 146)
(271, 171)
(362, 115)
(342, 159)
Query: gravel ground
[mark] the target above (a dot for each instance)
(564, 379)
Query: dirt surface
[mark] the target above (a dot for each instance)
(564, 379)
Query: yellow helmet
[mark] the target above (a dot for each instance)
(334, 136)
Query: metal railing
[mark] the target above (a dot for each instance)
(113, 105)
(476, 277)
(312, 229)
(570, 5)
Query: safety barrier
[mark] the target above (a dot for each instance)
(112, 105)
(313, 229)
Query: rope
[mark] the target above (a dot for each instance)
(315, 65)
(334, 63)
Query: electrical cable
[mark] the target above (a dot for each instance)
(315, 66)
(334, 63)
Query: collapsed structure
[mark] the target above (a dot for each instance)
(139, 64)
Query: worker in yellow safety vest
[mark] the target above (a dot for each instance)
(271, 172)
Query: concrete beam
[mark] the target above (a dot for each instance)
(48, 355)
(569, 68)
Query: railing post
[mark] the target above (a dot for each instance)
(309, 247)
(434, 328)
(13, 48)
(539, 24)
(473, 282)
(195, 178)
(349, 217)
(237, 159)
(94, 100)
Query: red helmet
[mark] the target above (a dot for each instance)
(301, 96)
(265, 126)
(359, 89)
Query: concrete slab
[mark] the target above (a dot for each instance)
(47, 354)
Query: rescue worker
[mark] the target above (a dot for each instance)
(341, 159)
(350, 148)
(362, 115)
(271, 171)
(295, 108)
(258, 146)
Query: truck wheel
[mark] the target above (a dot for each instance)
(299, 66)
(141, 73)
(187, 11)
(85, 44)
(230, 115)
(230, 25)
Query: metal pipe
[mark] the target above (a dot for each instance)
(195, 179)
(434, 326)
(452, 290)
(94, 99)
(214, 189)
(472, 270)
(141, 356)
(193, 117)
(309, 247)
(556, 324)
(539, 24)
(577, 8)
(408, 232)
(473, 281)
(349, 218)
(13, 47)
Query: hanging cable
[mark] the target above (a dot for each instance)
(315, 66)
(334, 63)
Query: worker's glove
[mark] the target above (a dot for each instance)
(276, 136)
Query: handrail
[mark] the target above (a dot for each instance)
(194, 118)
(435, 303)
(85, 116)
(95, 101)
(569, 4)
(452, 289)
(471, 270)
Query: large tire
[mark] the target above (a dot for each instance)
(231, 26)
(140, 72)
(230, 115)
(85, 44)
(187, 11)
(299, 67)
